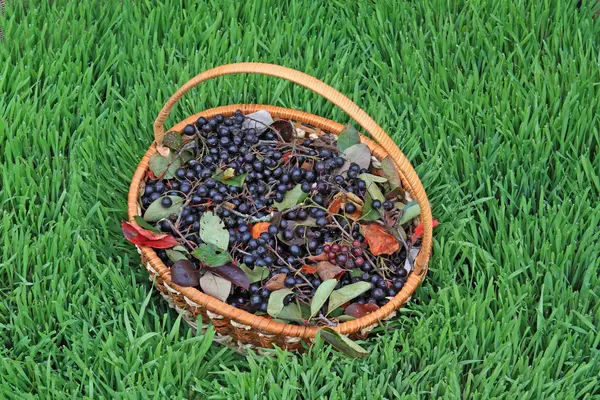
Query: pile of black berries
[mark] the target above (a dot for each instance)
(294, 244)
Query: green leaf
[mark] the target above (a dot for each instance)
(355, 273)
(181, 249)
(370, 213)
(212, 230)
(347, 293)
(372, 187)
(157, 164)
(321, 295)
(237, 180)
(142, 223)
(215, 286)
(275, 304)
(259, 120)
(348, 137)
(228, 178)
(358, 153)
(257, 274)
(294, 312)
(164, 167)
(342, 343)
(211, 256)
(336, 313)
(175, 255)
(411, 210)
(390, 172)
(368, 178)
(186, 156)
(291, 198)
(157, 212)
(173, 140)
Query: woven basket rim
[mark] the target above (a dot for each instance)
(255, 321)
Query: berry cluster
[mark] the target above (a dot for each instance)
(302, 234)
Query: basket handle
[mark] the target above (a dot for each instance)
(344, 103)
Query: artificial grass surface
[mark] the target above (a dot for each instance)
(496, 104)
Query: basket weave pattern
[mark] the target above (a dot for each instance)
(246, 329)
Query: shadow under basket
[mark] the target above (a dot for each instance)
(237, 328)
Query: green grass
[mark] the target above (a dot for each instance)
(495, 103)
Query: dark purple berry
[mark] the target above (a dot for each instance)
(398, 284)
(295, 250)
(289, 281)
(273, 230)
(255, 300)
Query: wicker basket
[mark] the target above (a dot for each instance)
(238, 328)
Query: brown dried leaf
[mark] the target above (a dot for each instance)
(321, 257)
(327, 270)
(228, 205)
(276, 282)
(328, 139)
(285, 129)
(340, 200)
(163, 150)
(380, 241)
(307, 166)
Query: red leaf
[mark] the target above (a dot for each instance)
(144, 232)
(258, 228)
(309, 269)
(360, 310)
(150, 175)
(380, 241)
(419, 230)
(145, 238)
(327, 270)
(276, 282)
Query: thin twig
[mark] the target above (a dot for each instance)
(189, 243)
(250, 218)
(324, 319)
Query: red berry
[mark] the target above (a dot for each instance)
(327, 248)
(359, 261)
(331, 255)
(357, 251)
(355, 243)
(336, 248)
(344, 250)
